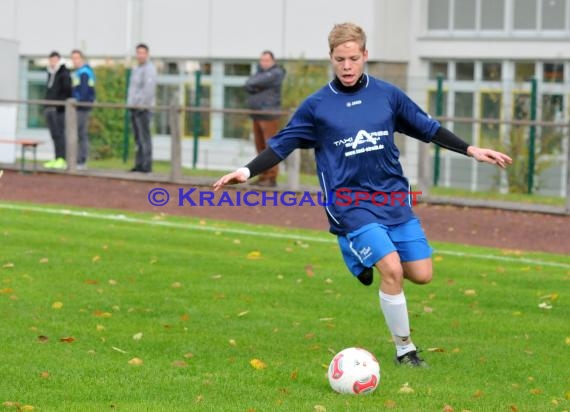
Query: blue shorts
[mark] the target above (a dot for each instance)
(364, 247)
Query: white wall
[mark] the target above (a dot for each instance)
(8, 90)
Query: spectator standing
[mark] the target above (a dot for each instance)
(83, 81)
(58, 88)
(264, 89)
(142, 92)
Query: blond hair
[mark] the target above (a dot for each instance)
(345, 32)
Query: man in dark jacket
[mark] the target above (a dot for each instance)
(58, 88)
(264, 90)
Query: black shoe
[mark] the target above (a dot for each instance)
(411, 359)
(366, 276)
(135, 169)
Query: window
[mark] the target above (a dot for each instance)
(521, 106)
(236, 125)
(437, 68)
(464, 15)
(524, 71)
(464, 71)
(491, 103)
(553, 72)
(492, 14)
(432, 103)
(553, 14)
(552, 111)
(165, 93)
(525, 15)
(464, 108)
(492, 71)
(36, 119)
(237, 69)
(204, 117)
(438, 15)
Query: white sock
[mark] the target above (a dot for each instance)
(396, 316)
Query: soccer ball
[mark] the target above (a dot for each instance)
(354, 371)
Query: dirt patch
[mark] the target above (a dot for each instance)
(473, 226)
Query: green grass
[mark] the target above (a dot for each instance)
(202, 299)
(494, 195)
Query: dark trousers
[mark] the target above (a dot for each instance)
(83, 144)
(56, 125)
(141, 127)
(263, 130)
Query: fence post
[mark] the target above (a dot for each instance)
(424, 171)
(127, 120)
(532, 136)
(71, 134)
(293, 166)
(197, 118)
(568, 173)
(175, 142)
(438, 113)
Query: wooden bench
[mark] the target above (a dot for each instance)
(26, 145)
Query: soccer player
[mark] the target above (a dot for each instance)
(350, 123)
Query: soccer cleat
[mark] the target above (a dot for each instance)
(81, 166)
(59, 163)
(411, 359)
(366, 276)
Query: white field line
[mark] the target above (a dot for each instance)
(246, 232)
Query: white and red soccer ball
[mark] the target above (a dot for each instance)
(354, 371)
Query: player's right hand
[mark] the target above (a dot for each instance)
(230, 179)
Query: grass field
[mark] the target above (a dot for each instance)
(103, 310)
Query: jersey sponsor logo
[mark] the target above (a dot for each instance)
(353, 103)
(363, 142)
(365, 252)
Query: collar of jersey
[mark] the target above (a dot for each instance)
(337, 87)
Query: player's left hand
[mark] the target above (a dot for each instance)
(489, 156)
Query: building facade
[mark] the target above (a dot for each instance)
(485, 50)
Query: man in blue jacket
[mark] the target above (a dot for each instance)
(350, 123)
(83, 82)
(264, 89)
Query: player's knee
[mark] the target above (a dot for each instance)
(393, 274)
(423, 277)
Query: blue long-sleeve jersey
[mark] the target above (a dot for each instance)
(83, 83)
(353, 138)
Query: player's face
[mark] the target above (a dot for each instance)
(53, 62)
(76, 60)
(265, 61)
(142, 55)
(348, 62)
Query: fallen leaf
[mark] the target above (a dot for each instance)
(216, 277)
(427, 309)
(57, 305)
(10, 404)
(8, 265)
(544, 305)
(406, 388)
(188, 355)
(44, 260)
(309, 271)
(254, 254)
(232, 342)
(470, 292)
(91, 281)
(95, 258)
(320, 408)
(67, 339)
(184, 317)
(101, 314)
(328, 281)
(257, 364)
(435, 350)
(42, 338)
(179, 364)
(136, 361)
(100, 328)
(138, 336)
(456, 350)
(389, 404)
(241, 314)
(535, 391)
(447, 408)
(44, 374)
(567, 396)
(567, 340)
(438, 258)
(199, 398)
(237, 241)
(176, 285)
(26, 408)
(112, 282)
(6, 291)
(294, 375)
(478, 393)
(118, 349)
